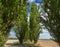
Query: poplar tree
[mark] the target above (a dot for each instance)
(35, 27)
(7, 16)
(52, 22)
(21, 21)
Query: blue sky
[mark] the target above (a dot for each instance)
(38, 2)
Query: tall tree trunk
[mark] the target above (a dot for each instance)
(20, 40)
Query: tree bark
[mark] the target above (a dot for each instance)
(20, 40)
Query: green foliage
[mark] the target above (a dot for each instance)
(21, 22)
(7, 16)
(13, 13)
(23, 30)
(3, 39)
(35, 27)
(53, 19)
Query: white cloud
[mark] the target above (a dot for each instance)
(30, 1)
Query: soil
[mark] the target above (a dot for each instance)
(40, 43)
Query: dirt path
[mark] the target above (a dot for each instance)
(42, 43)
(47, 43)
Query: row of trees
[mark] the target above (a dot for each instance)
(13, 13)
(27, 29)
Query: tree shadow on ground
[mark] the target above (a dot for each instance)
(16, 44)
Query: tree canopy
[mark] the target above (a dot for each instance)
(7, 15)
(52, 22)
(35, 27)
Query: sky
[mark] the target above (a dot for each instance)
(44, 35)
(30, 1)
(38, 1)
